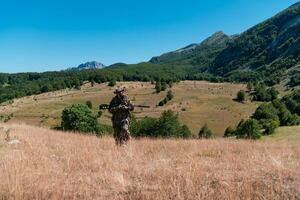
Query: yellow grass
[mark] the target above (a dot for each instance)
(197, 103)
(55, 165)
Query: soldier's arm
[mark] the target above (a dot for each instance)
(113, 106)
(130, 106)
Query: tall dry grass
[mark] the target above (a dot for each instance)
(55, 165)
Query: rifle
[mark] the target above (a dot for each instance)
(105, 106)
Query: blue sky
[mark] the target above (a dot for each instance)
(48, 35)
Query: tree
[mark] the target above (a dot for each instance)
(241, 96)
(78, 117)
(164, 86)
(249, 129)
(157, 87)
(89, 104)
(92, 83)
(266, 111)
(170, 95)
(77, 84)
(205, 132)
(249, 86)
(170, 84)
(273, 93)
(270, 126)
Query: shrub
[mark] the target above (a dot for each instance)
(170, 95)
(249, 129)
(269, 125)
(167, 125)
(273, 93)
(170, 84)
(229, 132)
(161, 103)
(157, 87)
(78, 117)
(266, 111)
(249, 86)
(163, 86)
(205, 132)
(241, 96)
(89, 104)
(92, 83)
(112, 83)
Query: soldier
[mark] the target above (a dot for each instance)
(120, 107)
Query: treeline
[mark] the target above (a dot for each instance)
(24, 84)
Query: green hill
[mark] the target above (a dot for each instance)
(265, 51)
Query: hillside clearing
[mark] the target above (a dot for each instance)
(55, 165)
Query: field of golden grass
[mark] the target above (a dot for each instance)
(197, 102)
(49, 164)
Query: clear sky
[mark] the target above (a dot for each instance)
(46, 35)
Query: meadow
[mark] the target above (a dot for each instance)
(47, 164)
(197, 102)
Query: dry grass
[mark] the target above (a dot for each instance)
(285, 134)
(55, 165)
(197, 102)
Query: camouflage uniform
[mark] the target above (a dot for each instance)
(120, 108)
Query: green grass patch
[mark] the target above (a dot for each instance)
(287, 133)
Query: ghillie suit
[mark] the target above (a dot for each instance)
(120, 107)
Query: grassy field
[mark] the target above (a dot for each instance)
(48, 164)
(197, 103)
(288, 134)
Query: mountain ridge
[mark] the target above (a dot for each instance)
(88, 65)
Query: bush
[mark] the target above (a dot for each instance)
(269, 125)
(229, 132)
(78, 117)
(249, 86)
(112, 83)
(241, 96)
(163, 86)
(205, 132)
(167, 125)
(161, 103)
(157, 87)
(249, 129)
(266, 111)
(263, 94)
(89, 104)
(170, 95)
(273, 93)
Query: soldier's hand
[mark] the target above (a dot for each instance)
(125, 107)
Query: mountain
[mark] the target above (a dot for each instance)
(88, 65)
(269, 48)
(204, 50)
(266, 51)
